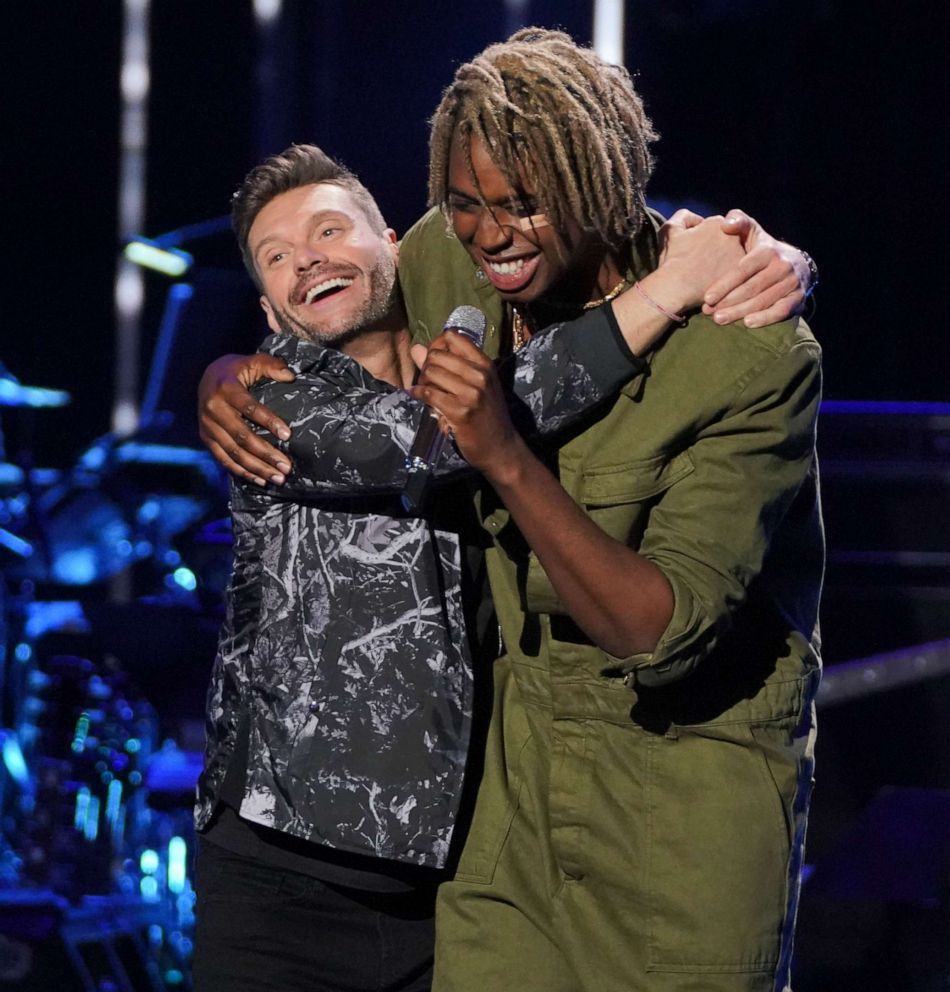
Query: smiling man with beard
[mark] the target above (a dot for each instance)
(340, 703)
(354, 292)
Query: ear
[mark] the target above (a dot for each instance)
(271, 319)
(390, 236)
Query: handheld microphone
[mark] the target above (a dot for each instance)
(427, 445)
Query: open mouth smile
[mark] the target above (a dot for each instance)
(509, 275)
(326, 288)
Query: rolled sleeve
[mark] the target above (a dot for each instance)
(710, 534)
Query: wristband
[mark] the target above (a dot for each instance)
(812, 272)
(676, 318)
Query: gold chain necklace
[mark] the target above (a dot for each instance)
(519, 330)
(520, 327)
(613, 294)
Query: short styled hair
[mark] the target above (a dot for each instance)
(296, 166)
(556, 113)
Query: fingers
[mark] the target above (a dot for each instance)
(748, 230)
(224, 408)
(457, 343)
(684, 218)
(449, 375)
(750, 276)
(753, 275)
(455, 355)
(737, 220)
(737, 216)
(764, 298)
(784, 308)
(721, 289)
(769, 307)
(257, 413)
(264, 366)
(456, 377)
(234, 392)
(237, 448)
(228, 452)
(762, 287)
(231, 466)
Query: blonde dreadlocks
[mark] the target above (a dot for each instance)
(560, 117)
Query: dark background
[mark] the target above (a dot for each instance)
(819, 118)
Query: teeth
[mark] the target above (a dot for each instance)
(325, 287)
(507, 268)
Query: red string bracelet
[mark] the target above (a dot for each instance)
(676, 318)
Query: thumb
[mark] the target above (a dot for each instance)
(418, 353)
(263, 366)
(739, 224)
(685, 218)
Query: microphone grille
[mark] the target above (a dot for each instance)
(469, 321)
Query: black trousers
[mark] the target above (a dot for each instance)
(263, 929)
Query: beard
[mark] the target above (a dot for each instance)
(379, 304)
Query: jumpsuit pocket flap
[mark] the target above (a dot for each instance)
(633, 481)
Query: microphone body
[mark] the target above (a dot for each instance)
(429, 441)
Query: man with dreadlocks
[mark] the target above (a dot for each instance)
(640, 820)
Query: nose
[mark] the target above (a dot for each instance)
(306, 256)
(493, 231)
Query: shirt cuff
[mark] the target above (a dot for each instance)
(597, 344)
(680, 648)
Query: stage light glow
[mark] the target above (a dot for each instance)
(609, 30)
(58, 614)
(76, 567)
(91, 831)
(129, 292)
(13, 759)
(163, 454)
(148, 861)
(185, 578)
(135, 81)
(114, 803)
(82, 809)
(149, 511)
(267, 11)
(177, 865)
(124, 418)
(79, 736)
(169, 261)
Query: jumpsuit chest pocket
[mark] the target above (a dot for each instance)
(619, 498)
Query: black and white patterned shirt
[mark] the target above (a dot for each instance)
(344, 655)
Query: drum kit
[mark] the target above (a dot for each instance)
(112, 573)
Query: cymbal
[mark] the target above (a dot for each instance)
(13, 393)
